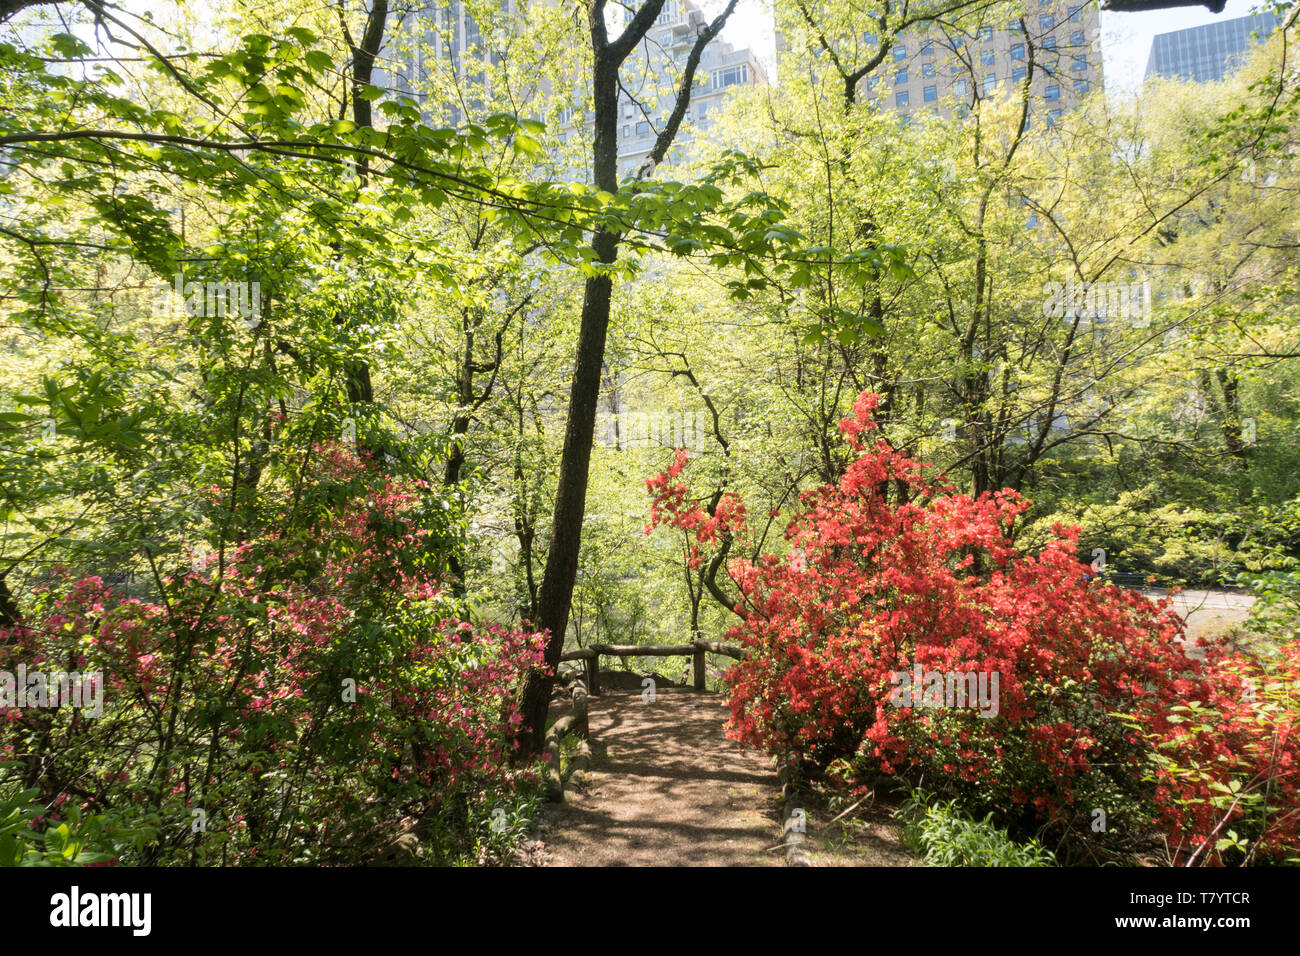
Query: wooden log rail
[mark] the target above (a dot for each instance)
(695, 649)
(575, 722)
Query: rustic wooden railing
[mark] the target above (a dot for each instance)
(697, 649)
(793, 838)
(575, 722)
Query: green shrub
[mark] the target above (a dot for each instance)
(72, 838)
(944, 836)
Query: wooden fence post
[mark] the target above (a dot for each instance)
(554, 781)
(580, 724)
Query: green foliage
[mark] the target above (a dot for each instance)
(419, 286)
(70, 838)
(1273, 571)
(945, 836)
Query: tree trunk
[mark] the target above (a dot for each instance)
(561, 572)
(356, 372)
(556, 595)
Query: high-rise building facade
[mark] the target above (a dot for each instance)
(653, 75)
(437, 36)
(443, 35)
(1209, 52)
(947, 71)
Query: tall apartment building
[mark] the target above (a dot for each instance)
(428, 36)
(1209, 52)
(653, 74)
(449, 37)
(948, 71)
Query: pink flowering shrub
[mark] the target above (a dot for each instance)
(296, 696)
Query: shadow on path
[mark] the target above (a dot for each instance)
(668, 789)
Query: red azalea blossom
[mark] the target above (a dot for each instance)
(879, 582)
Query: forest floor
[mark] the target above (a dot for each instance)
(667, 788)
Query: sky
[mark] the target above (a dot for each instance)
(1125, 37)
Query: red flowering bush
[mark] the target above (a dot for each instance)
(671, 504)
(1227, 762)
(1026, 666)
(286, 701)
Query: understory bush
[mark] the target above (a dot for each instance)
(904, 633)
(289, 699)
(944, 836)
(1226, 763)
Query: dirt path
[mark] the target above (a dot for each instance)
(1207, 613)
(667, 789)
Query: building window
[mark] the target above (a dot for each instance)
(643, 128)
(869, 39)
(905, 120)
(927, 69)
(990, 82)
(958, 42)
(930, 93)
(1018, 74)
(900, 98)
(1017, 51)
(1053, 92)
(900, 52)
(627, 131)
(1076, 14)
(1049, 43)
(1046, 21)
(1081, 86)
(959, 87)
(871, 83)
(927, 48)
(1053, 116)
(627, 111)
(900, 77)
(1013, 27)
(1076, 38)
(1080, 64)
(986, 58)
(987, 34)
(731, 76)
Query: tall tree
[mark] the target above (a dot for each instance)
(608, 56)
